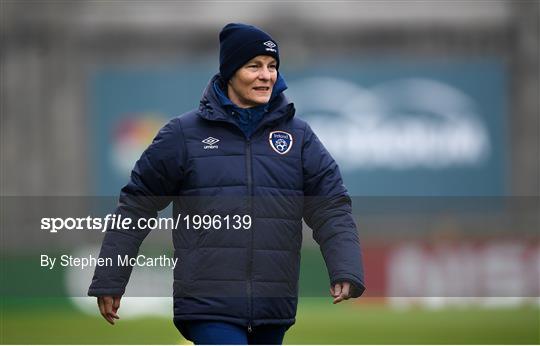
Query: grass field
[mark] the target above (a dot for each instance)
(318, 322)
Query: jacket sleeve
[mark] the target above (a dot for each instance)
(154, 180)
(328, 212)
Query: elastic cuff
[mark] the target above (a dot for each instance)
(100, 292)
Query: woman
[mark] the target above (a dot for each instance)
(242, 152)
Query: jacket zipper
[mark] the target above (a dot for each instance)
(250, 251)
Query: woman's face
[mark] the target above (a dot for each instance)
(252, 84)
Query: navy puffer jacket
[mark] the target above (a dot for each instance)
(247, 277)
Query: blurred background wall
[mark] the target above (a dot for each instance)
(52, 50)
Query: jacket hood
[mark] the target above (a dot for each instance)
(213, 107)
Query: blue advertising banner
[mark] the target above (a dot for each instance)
(127, 109)
(419, 128)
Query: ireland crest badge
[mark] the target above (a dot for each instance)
(280, 141)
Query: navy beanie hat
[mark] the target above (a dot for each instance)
(239, 43)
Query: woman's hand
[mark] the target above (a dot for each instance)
(108, 306)
(341, 291)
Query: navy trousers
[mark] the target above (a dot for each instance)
(222, 333)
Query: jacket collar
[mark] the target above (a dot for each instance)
(214, 108)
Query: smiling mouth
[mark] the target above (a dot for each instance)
(264, 89)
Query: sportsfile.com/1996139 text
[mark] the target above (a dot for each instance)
(119, 222)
